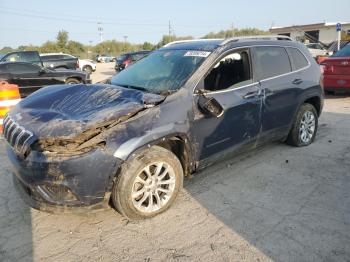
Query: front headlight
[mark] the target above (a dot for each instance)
(65, 146)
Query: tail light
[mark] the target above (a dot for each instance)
(127, 62)
(322, 81)
(323, 68)
(77, 64)
(326, 68)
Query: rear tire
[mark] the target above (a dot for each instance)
(148, 184)
(72, 81)
(305, 126)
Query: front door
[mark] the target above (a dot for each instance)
(231, 84)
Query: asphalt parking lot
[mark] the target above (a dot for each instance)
(277, 203)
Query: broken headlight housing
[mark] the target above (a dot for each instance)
(79, 144)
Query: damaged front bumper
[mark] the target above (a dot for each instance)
(62, 183)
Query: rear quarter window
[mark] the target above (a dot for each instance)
(68, 57)
(51, 57)
(271, 61)
(298, 59)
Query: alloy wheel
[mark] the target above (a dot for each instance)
(307, 127)
(153, 187)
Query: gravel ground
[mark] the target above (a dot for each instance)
(278, 203)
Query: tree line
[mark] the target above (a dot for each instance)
(114, 47)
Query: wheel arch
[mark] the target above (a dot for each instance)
(73, 77)
(315, 101)
(178, 144)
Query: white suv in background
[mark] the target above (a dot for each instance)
(87, 65)
(317, 49)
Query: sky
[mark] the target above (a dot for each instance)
(36, 21)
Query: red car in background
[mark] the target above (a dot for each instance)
(336, 71)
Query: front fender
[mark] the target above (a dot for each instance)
(149, 138)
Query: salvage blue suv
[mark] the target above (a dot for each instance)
(186, 105)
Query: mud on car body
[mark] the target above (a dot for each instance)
(180, 109)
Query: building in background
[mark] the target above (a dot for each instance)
(322, 32)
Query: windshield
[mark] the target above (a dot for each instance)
(162, 71)
(345, 51)
(1, 56)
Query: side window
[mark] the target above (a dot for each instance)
(231, 71)
(271, 61)
(51, 57)
(136, 57)
(22, 68)
(15, 57)
(318, 46)
(67, 57)
(30, 57)
(298, 59)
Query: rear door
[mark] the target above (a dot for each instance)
(4, 74)
(29, 77)
(279, 86)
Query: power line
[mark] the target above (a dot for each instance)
(57, 18)
(80, 19)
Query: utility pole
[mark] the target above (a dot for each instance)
(100, 30)
(125, 40)
(170, 30)
(89, 51)
(233, 30)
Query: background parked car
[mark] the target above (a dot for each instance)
(336, 71)
(59, 61)
(31, 77)
(87, 65)
(124, 60)
(105, 58)
(53, 61)
(316, 49)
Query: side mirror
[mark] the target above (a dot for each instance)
(210, 106)
(42, 71)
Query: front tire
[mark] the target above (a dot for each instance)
(305, 126)
(87, 69)
(72, 81)
(148, 184)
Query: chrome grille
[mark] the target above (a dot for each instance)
(16, 135)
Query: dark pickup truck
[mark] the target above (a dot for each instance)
(51, 61)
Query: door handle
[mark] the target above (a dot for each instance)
(251, 94)
(255, 93)
(297, 81)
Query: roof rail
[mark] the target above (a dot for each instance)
(190, 40)
(263, 37)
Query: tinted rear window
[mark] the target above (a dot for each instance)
(138, 56)
(271, 61)
(298, 58)
(68, 57)
(121, 58)
(51, 57)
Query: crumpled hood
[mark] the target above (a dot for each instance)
(67, 110)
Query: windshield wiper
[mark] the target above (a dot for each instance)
(135, 87)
